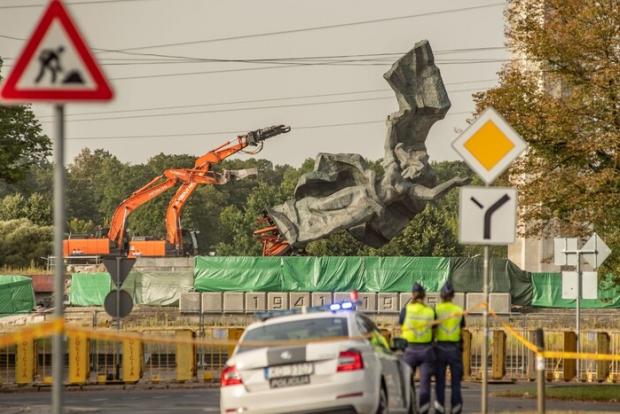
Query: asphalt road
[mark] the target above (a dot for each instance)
(205, 400)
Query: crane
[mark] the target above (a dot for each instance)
(116, 242)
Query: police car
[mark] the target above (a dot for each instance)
(318, 360)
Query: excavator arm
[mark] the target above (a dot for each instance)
(202, 167)
(152, 189)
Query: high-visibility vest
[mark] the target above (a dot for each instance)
(449, 317)
(417, 326)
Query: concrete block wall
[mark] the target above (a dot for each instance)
(373, 303)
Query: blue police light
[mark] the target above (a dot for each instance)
(346, 305)
(334, 307)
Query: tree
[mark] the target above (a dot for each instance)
(22, 142)
(566, 103)
(23, 243)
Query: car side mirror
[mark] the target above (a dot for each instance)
(399, 344)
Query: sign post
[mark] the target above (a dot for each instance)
(118, 303)
(487, 215)
(567, 253)
(56, 66)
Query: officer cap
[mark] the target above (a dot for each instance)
(447, 291)
(418, 288)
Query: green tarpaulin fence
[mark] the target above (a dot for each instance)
(336, 274)
(146, 288)
(548, 293)
(16, 294)
(366, 274)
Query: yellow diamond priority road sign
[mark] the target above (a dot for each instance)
(489, 145)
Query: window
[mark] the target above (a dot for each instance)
(302, 329)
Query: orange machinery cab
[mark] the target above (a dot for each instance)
(147, 248)
(86, 247)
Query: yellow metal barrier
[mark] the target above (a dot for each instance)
(79, 358)
(185, 357)
(132, 360)
(233, 335)
(173, 354)
(24, 362)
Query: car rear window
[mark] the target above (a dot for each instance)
(302, 329)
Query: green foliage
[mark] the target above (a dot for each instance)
(566, 103)
(22, 242)
(36, 208)
(22, 143)
(225, 215)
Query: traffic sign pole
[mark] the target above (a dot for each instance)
(56, 66)
(489, 145)
(578, 314)
(59, 264)
(118, 316)
(485, 336)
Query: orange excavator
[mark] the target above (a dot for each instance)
(116, 241)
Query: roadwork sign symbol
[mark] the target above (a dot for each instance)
(56, 65)
(487, 215)
(489, 145)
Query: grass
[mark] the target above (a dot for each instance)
(577, 392)
(25, 271)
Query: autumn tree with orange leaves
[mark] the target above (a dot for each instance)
(561, 93)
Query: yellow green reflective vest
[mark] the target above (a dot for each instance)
(449, 317)
(417, 328)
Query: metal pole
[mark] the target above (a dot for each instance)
(485, 338)
(58, 352)
(118, 315)
(540, 371)
(578, 313)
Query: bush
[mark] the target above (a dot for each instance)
(23, 242)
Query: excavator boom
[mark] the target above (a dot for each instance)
(190, 179)
(202, 167)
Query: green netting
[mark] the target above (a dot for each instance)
(238, 273)
(302, 274)
(146, 288)
(366, 274)
(547, 293)
(397, 274)
(16, 294)
(89, 289)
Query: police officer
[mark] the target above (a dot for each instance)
(416, 320)
(448, 350)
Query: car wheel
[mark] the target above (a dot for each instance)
(383, 401)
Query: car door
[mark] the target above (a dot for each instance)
(390, 364)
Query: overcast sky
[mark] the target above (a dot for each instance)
(204, 103)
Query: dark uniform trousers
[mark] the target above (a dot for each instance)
(422, 356)
(449, 354)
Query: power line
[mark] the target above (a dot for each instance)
(315, 28)
(72, 3)
(249, 108)
(156, 58)
(285, 66)
(284, 98)
(193, 134)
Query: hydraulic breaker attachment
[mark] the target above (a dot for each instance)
(254, 137)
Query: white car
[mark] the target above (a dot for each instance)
(345, 374)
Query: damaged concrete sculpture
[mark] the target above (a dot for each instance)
(343, 193)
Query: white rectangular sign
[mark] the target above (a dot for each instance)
(560, 247)
(589, 285)
(487, 215)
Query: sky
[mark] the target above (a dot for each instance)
(170, 99)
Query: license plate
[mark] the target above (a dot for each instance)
(289, 381)
(294, 370)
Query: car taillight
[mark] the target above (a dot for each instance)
(350, 361)
(230, 376)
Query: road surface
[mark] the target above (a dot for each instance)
(206, 400)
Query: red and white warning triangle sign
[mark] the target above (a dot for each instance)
(56, 65)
